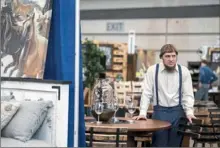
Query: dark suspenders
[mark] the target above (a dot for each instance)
(156, 83)
(180, 83)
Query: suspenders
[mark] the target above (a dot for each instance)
(156, 83)
(180, 83)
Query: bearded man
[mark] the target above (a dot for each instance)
(169, 86)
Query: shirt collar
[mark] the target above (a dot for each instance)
(162, 67)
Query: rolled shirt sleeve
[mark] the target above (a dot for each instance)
(147, 93)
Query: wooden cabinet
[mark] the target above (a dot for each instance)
(194, 71)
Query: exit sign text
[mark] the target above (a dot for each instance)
(115, 26)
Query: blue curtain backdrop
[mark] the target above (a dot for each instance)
(60, 62)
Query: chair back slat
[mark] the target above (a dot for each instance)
(215, 122)
(214, 110)
(214, 115)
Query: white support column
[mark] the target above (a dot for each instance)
(77, 51)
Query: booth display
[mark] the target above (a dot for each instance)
(114, 63)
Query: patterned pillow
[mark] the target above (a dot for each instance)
(27, 120)
(8, 110)
(7, 98)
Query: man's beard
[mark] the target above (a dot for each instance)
(170, 69)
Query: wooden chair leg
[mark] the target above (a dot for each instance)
(139, 144)
(147, 144)
(195, 144)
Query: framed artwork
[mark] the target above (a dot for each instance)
(25, 26)
(215, 56)
(108, 50)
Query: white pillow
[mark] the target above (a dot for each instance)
(27, 120)
(8, 110)
(7, 98)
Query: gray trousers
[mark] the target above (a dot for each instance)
(203, 93)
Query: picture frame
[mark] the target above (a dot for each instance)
(108, 50)
(215, 56)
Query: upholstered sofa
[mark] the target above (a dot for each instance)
(34, 115)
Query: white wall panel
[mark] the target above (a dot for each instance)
(189, 25)
(117, 4)
(184, 57)
(140, 26)
(146, 42)
(192, 42)
(96, 30)
(194, 25)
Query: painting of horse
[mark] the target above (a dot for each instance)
(25, 26)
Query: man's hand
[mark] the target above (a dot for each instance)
(140, 117)
(190, 117)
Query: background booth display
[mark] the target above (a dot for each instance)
(25, 26)
(113, 62)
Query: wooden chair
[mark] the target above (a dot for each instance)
(137, 86)
(204, 105)
(144, 140)
(137, 89)
(188, 130)
(118, 86)
(210, 132)
(127, 86)
(99, 137)
(204, 133)
(119, 92)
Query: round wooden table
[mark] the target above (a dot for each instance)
(135, 129)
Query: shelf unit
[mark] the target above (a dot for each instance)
(194, 71)
(118, 59)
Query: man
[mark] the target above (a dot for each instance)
(206, 78)
(169, 86)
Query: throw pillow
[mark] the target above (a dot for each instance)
(7, 98)
(27, 121)
(8, 110)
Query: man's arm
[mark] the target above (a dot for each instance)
(188, 96)
(213, 76)
(147, 91)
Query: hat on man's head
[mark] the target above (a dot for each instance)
(168, 48)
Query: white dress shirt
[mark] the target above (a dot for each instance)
(168, 89)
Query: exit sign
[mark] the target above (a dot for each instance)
(115, 26)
